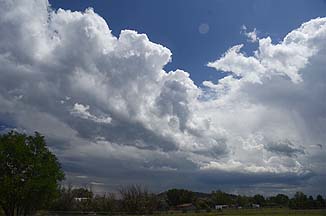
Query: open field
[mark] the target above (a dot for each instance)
(257, 212)
(233, 212)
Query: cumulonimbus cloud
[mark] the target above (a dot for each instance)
(104, 97)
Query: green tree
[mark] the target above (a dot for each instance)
(82, 193)
(65, 201)
(320, 202)
(105, 203)
(259, 199)
(299, 201)
(137, 199)
(282, 200)
(242, 201)
(179, 196)
(221, 198)
(202, 203)
(82, 199)
(310, 202)
(29, 173)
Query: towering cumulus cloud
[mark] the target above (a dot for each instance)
(113, 115)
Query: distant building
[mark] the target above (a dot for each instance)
(220, 207)
(254, 205)
(185, 206)
(79, 199)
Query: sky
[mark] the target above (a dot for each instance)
(175, 24)
(202, 95)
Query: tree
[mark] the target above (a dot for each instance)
(105, 203)
(65, 201)
(299, 201)
(242, 201)
(29, 173)
(137, 199)
(259, 199)
(202, 203)
(179, 196)
(320, 202)
(310, 203)
(221, 198)
(82, 199)
(282, 200)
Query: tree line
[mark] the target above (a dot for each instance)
(31, 176)
(138, 200)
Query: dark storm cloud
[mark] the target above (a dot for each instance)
(286, 148)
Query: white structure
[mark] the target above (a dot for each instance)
(79, 199)
(255, 205)
(220, 207)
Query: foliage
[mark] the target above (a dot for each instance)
(179, 196)
(242, 201)
(203, 203)
(320, 202)
(65, 201)
(29, 173)
(301, 201)
(83, 199)
(259, 199)
(221, 198)
(105, 203)
(137, 199)
(280, 200)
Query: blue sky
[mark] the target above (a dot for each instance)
(115, 111)
(175, 24)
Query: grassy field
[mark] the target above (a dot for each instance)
(256, 212)
(234, 212)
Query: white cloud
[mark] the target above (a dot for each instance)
(82, 111)
(82, 177)
(276, 97)
(100, 97)
(97, 183)
(249, 68)
(252, 36)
